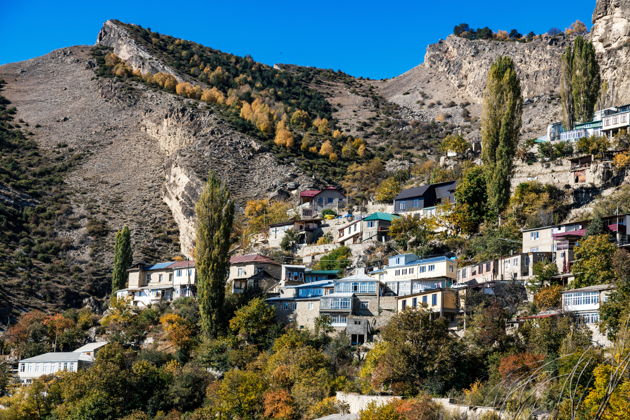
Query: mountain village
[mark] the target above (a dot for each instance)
(216, 238)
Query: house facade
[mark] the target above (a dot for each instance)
(442, 302)
(307, 231)
(54, 362)
(375, 227)
(352, 233)
(560, 240)
(407, 274)
(424, 200)
(253, 271)
(161, 282)
(313, 202)
(583, 305)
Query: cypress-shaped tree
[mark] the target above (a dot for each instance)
(215, 214)
(579, 82)
(500, 126)
(123, 257)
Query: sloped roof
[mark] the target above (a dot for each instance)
(57, 357)
(412, 192)
(183, 264)
(160, 266)
(595, 288)
(90, 347)
(381, 216)
(309, 193)
(251, 258)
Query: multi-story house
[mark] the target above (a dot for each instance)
(407, 273)
(253, 271)
(515, 267)
(442, 302)
(425, 199)
(307, 231)
(561, 239)
(313, 202)
(354, 305)
(166, 281)
(607, 122)
(584, 304)
(352, 233)
(375, 227)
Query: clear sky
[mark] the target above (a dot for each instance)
(376, 39)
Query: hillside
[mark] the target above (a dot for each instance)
(140, 150)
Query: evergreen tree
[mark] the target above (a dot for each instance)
(500, 126)
(580, 82)
(123, 257)
(215, 214)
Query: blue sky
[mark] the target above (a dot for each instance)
(373, 39)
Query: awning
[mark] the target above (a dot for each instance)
(617, 227)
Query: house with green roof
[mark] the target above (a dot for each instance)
(375, 227)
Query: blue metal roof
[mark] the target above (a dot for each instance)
(320, 283)
(159, 266)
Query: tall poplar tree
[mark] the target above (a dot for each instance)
(500, 126)
(579, 82)
(215, 214)
(123, 257)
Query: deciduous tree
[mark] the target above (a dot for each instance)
(215, 215)
(500, 126)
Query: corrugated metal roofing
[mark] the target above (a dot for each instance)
(159, 266)
(412, 192)
(183, 264)
(309, 193)
(250, 258)
(57, 357)
(382, 216)
(90, 346)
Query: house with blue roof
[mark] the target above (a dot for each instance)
(161, 282)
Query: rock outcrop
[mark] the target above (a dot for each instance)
(611, 39)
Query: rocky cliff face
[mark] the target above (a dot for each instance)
(611, 39)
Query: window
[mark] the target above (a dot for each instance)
(487, 266)
(397, 260)
(160, 276)
(370, 224)
(404, 304)
(431, 267)
(21, 367)
(450, 268)
(411, 270)
(580, 298)
(416, 203)
(310, 306)
(397, 273)
(534, 236)
(364, 305)
(357, 322)
(178, 273)
(404, 271)
(357, 339)
(339, 319)
(588, 318)
(434, 299)
(241, 271)
(423, 268)
(414, 302)
(463, 272)
(147, 277)
(330, 200)
(424, 300)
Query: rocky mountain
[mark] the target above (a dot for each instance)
(140, 154)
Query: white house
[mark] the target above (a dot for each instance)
(584, 303)
(51, 363)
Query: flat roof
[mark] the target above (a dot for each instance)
(425, 292)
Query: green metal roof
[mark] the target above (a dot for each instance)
(381, 216)
(323, 272)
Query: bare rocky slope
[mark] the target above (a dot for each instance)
(147, 152)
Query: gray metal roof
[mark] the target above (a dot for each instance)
(90, 346)
(596, 288)
(57, 357)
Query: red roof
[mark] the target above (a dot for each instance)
(579, 233)
(251, 258)
(309, 193)
(182, 264)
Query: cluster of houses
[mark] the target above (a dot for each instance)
(359, 304)
(606, 122)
